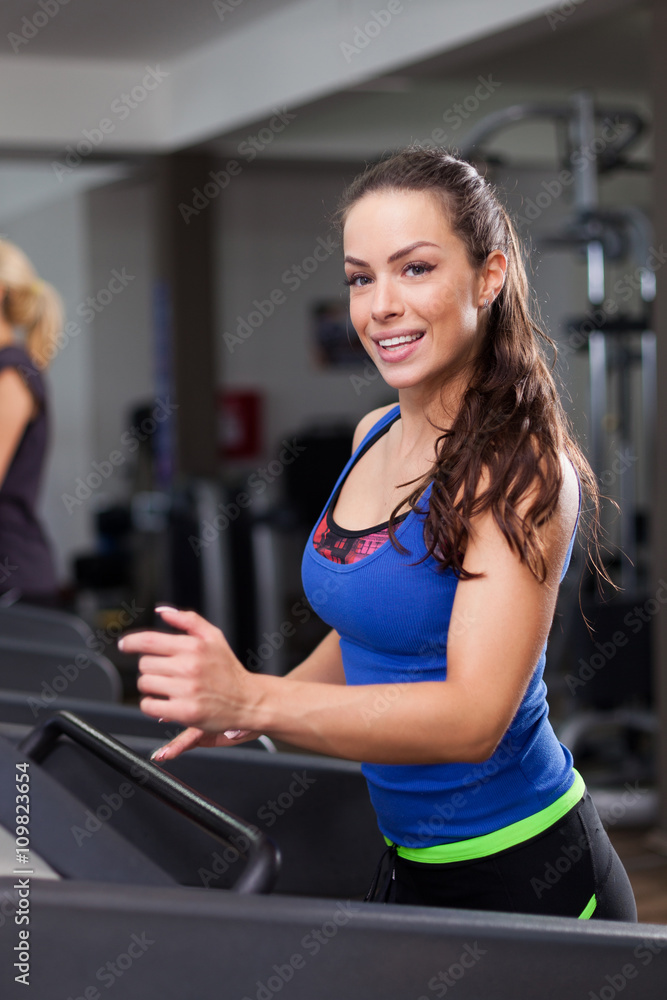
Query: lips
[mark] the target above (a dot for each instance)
(393, 334)
(405, 342)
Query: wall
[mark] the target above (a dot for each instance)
(104, 366)
(269, 221)
(270, 218)
(120, 218)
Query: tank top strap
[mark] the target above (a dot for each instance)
(378, 426)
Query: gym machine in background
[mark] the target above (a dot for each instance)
(229, 548)
(605, 677)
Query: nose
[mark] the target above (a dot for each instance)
(387, 301)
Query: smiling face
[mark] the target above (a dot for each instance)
(415, 300)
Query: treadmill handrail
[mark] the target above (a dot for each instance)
(261, 870)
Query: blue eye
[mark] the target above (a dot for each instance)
(418, 268)
(421, 268)
(354, 279)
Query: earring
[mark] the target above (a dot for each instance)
(486, 304)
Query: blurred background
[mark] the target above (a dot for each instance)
(171, 170)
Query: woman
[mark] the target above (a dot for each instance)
(26, 566)
(454, 585)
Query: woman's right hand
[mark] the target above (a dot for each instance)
(193, 737)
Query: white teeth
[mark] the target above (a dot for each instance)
(395, 341)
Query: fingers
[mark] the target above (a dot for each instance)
(245, 736)
(181, 710)
(188, 621)
(163, 685)
(193, 737)
(155, 643)
(166, 643)
(165, 666)
(186, 740)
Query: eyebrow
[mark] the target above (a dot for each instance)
(395, 256)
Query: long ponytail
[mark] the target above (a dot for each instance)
(511, 421)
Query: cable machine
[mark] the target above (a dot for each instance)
(610, 675)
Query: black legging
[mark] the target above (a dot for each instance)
(557, 873)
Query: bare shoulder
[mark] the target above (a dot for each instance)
(568, 501)
(16, 401)
(556, 533)
(563, 519)
(367, 422)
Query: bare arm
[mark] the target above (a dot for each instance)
(17, 406)
(490, 662)
(323, 666)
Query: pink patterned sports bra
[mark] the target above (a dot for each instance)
(342, 546)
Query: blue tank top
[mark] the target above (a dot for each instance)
(393, 621)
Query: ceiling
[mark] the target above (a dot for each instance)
(606, 52)
(600, 51)
(608, 55)
(124, 29)
(603, 45)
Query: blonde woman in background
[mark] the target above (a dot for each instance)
(34, 308)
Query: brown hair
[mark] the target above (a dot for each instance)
(30, 303)
(511, 422)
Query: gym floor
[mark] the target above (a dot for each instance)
(644, 854)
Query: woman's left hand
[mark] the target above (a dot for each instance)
(194, 679)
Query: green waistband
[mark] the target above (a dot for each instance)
(588, 912)
(498, 840)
